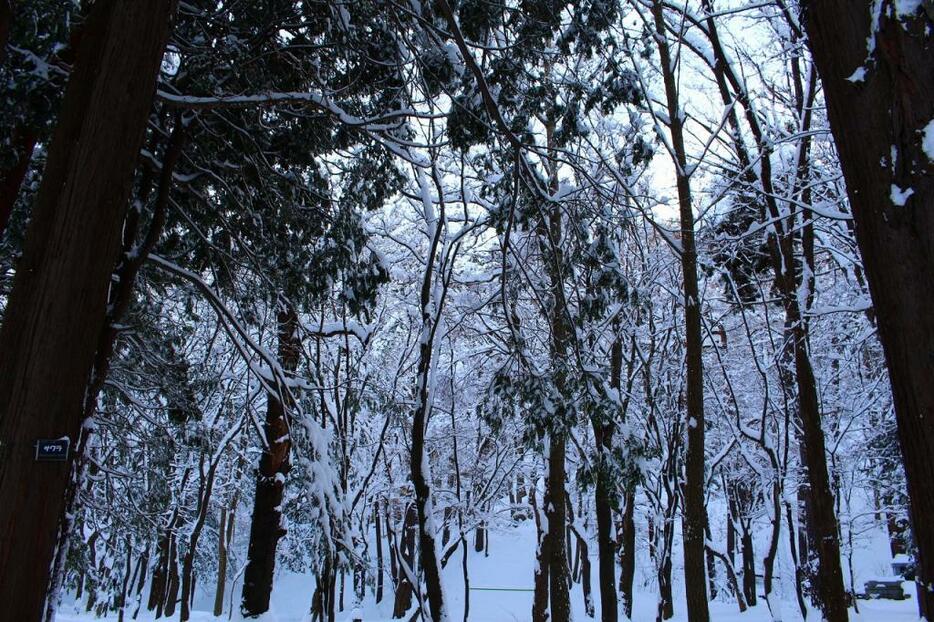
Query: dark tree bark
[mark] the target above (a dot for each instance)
(172, 582)
(582, 568)
(479, 542)
(127, 570)
(6, 22)
(540, 591)
(666, 607)
(406, 557)
(603, 491)
(266, 525)
(222, 544)
(56, 309)
(554, 544)
(380, 571)
(711, 566)
(417, 459)
(749, 567)
(895, 100)
(695, 511)
(627, 554)
(822, 515)
(24, 142)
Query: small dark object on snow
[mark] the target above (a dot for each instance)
(904, 566)
(884, 588)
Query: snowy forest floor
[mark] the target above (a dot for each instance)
(509, 567)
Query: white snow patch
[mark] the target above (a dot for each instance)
(899, 196)
(858, 76)
(927, 141)
(905, 8)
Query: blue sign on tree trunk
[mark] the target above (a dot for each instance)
(52, 449)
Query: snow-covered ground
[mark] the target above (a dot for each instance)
(509, 568)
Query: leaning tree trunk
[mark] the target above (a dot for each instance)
(57, 306)
(695, 512)
(892, 199)
(266, 526)
(822, 515)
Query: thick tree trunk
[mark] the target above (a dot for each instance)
(554, 544)
(895, 232)
(540, 591)
(627, 554)
(172, 583)
(57, 306)
(418, 460)
(266, 525)
(221, 564)
(695, 512)
(666, 608)
(749, 567)
(821, 504)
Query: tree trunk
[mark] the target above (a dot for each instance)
(128, 565)
(57, 305)
(24, 142)
(666, 608)
(711, 566)
(603, 492)
(768, 562)
(627, 554)
(380, 571)
(204, 500)
(221, 564)
(695, 512)
(540, 592)
(266, 525)
(172, 582)
(479, 542)
(6, 22)
(800, 575)
(895, 232)
(821, 505)
(749, 568)
(418, 461)
(554, 544)
(555, 537)
(406, 556)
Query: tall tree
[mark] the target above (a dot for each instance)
(266, 526)
(695, 510)
(878, 58)
(56, 308)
